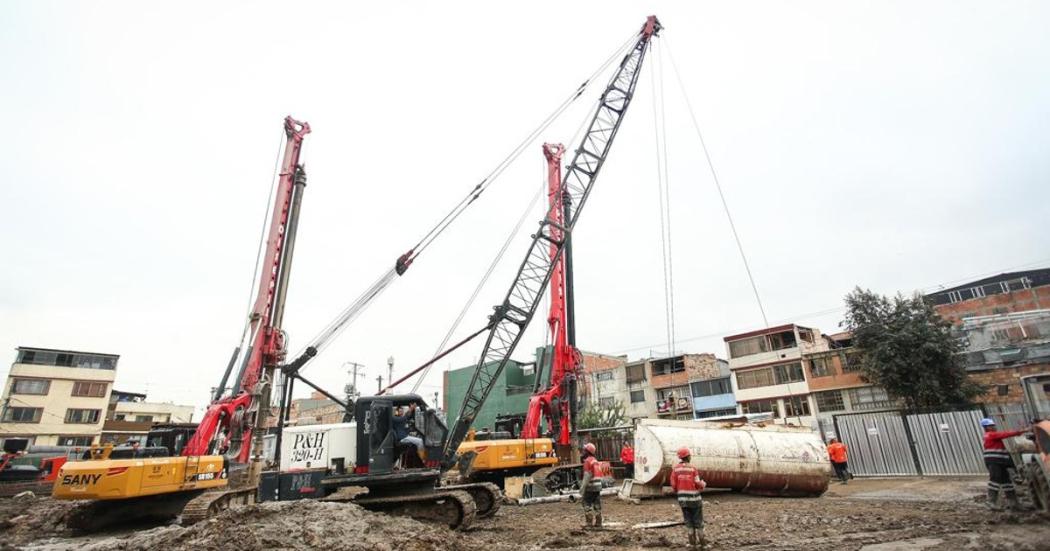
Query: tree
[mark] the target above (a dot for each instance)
(595, 416)
(907, 348)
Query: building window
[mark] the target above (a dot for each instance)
(637, 396)
(604, 376)
(89, 389)
(748, 347)
(788, 373)
(88, 416)
(149, 418)
(715, 413)
(829, 401)
(796, 406)
(667, 366)
(713, 387)
(636, 373)
(820, 367)
(754, 378)
(782, 340)
(23, 415)
(66, 359)
(1003, 390)
(850, 362)
(760, 406)
(75, 440)
(869, 397)
(31, 386)
(606, 402)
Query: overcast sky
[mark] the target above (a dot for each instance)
(891, 145)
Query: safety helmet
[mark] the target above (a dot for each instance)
(589, 448)
(986, 422)
(683, 453)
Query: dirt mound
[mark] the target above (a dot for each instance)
(293, 525)
(23, 519)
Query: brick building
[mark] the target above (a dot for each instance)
(1001, 294)
(1001, 349)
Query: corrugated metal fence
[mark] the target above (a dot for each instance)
(893, 443)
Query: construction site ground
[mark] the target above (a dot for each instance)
(867, 514)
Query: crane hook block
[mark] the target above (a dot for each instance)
(403, 262)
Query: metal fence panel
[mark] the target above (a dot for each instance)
(1009, 416)
(948, 443)
(877, 443)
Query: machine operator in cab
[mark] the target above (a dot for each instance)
(591, 487)
(687, 484)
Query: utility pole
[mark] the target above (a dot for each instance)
(390, 370)
(379, 380)
(436, 406)
(351, 389)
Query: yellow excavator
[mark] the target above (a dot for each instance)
(221, 462)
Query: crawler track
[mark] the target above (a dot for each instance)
(487, 497)
(213, 502)
(454, 508)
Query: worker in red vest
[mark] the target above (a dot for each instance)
(998, 462)
(687, 484)
(627, 458)
(837, 454)
(591, 487)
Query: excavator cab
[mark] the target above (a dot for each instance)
(379, 450)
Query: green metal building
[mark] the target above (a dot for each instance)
(510, 395)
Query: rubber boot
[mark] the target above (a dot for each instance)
(1011, 501)
(693, 541)
(993, 500)
(588, 519)
(702, 540)
(598, 520)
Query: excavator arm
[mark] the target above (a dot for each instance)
(513, 315)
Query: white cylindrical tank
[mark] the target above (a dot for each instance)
(767, 460)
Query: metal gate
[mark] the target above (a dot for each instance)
(891, 443)
(948, 443)
(877, 443)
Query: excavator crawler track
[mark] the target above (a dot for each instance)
(487, 496)
(93, 516)
(454, 508)
(558, 478)
(213, 502)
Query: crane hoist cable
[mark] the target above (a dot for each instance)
(718, 185)
(495, 261)
(663, 194)
(351, 312)
(481, 284)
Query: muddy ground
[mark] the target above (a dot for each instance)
(870, 515)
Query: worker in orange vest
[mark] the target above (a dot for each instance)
(837, 453)
(591, 487)
(687, 484)
(627, 458)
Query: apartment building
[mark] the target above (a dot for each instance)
(130, 417)
(768, 374)
(837, 385)
(57, 397)
(625, 383)
(686, 386)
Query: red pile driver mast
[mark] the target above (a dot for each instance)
(556, 404)
(230, 420)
